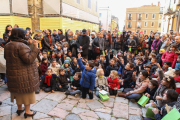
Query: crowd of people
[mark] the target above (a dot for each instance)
(86, 62)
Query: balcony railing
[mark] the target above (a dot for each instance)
(169, 11)
(129, 26)
(129, 18)
(139, 18)
(138, 26)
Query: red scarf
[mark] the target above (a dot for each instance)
(49, 36)
(48, 80)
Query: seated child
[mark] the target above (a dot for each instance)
(44, 65)
(161, 51)
(102, 60)
(121, 69)
(170, 96)
(75, 85)
(67, 66)
(55, 67)
(148, 68)
(62, 80)
(177, 66)
(65, 48)
(101, 82)
(176, 76)
(40, 74)
(48, 82)
(153, 66)
(74, 63)
(166, 65)
(113, 82)
(151, 89)
(87, 81)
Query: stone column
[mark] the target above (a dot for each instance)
(177, 27)
(168, 24)
(172, 22)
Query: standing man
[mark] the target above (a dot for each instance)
(83, 43)
(56, 37)
(177, 42)
(48, 40)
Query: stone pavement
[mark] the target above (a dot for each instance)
(58, 106)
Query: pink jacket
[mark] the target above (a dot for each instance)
(152, 46)
(171, 57)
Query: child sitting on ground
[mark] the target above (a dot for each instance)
(48, 82)
(67, 66)
(113, 82)
(101, 82)
(87, 81)
(177, 66)
(74, 63)
(62, 80)
(151, 89)
(44, 65)
(161, 51)
(55, 67)
(176, 76)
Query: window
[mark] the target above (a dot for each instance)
(78, 1)
(129, 16)
(139, 16)
(174, 1)
(153, 16)
(145, 32)
(159, 25)
(100, 14)
(129, 25)
(139, 25)
(152, 24)
(146, 16)
(145, 24)
(89, 3)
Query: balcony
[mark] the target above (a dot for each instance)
(129, 26)
(139, 27)
(129, 18)
(139, 18)
(169, 11)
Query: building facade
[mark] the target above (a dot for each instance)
(105, 18)
(114, 23)
(143, 19)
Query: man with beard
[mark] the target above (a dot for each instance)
(83, 43)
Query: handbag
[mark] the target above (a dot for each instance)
(104, 97)
(143, 100)
(150, 113)
(172, 115)
(96, 50)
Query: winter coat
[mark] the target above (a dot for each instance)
(152, 46)
(55, 70)
(171, 57)
(160, 91)
(131, 43)
(45, 42)
(87, 77)
(56, 37)
(127, 76)
(118, 44)
(84, 42)
(151, 92)
(98, 42)
(159, 58)
(177, 65)
(5, 35)
(69, 66)
(163, 111)
(177, 81)
(151, 39)
(109, 67)
(107, 45)
(44, 67)
(73, 66)
(101, 83)
(153, 68)
(63, 79)
(61, 36)
(113, 83)
(21, 68)
(52, 83)
(76, 83)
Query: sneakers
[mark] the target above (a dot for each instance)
(37, 91)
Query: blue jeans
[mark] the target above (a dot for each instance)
(73, 92)
(132, 96)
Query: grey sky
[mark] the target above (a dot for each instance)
(118, 7)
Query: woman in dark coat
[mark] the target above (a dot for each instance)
(21, 71)
(7, 31)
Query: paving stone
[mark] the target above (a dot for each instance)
(4, 95)
(135, 117)
(113, 118)
(58, 119)
(89, 114)
(121, 100)
(41, 95)
(123, 119)
(144, 112)
(6, 110)
(73, 97)
(120, 110)
(131, 104)
(82, 105)
(104, 116)
(104, 110)
(72, 117)
(40, 116)
(49, 119)
(94, 104)
(8, 101)
(86, 118)
(82, 100)
(135, 111)
(7, 117)
(109, 103)
(65, 106)
(57, 96)
(78, 110)
(44, 106)
(2, 90)
(57, 112)
(2, 83)
(70, 101)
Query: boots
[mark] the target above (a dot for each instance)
(121, 95)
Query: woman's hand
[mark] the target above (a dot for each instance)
(155, 111)
(60, 86)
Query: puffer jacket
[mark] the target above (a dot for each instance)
(87, 77)
(118, 44)
(113, 83)
(171, 57)
(22, 72)
(62, 79)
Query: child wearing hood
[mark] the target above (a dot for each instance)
(178, 63)
(66, 66)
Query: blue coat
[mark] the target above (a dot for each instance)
(177, 66)
(87, 77)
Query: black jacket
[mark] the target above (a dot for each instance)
(153, 68)
(109, 67)
(61, 36)
(159, 59)
(52, 84)
(84, 42)
(118, 44)
(62, 79)
(76, 83)
(73, 66)
(45, 42)
(151, 92)
(127, 76)
(56, 37)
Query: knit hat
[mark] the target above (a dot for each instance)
(68, 58)
(170, 72)
(162, 50)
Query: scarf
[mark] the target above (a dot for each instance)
(48, 80)
(49, 36)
